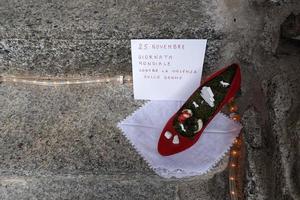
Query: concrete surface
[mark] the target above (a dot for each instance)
(59, 144)
(92, 37)
(63, 144)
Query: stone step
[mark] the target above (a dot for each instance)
(122, 186)
(99, 20)
(66, 129)
(64, 57)
(62, 143)
(86, 187)
(93, 37)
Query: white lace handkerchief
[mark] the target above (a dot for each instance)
(143, 130)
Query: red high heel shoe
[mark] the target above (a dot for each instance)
(186, 126)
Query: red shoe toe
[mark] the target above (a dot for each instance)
(171, 142)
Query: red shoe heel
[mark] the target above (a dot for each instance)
(185, 127)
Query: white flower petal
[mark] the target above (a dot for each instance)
(182, 127)
(168, 135)
(200, 125)
(208, 96)
(176, 139)
(195, 104)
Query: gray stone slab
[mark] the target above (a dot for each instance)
(64, 57)
(75, 57)
(93, 37)
(92, 19)
(213, 188)
(66, 129)
(86, 188)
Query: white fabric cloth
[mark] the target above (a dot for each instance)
(143, 129)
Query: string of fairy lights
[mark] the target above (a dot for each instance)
(233, 165)
(234, 186)
(62, 81)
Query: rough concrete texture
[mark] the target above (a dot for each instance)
(270, 97)
(86, 187)
(63, 144)
(60, 129)
(92, 37)
(57, 143)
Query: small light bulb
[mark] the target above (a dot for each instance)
(231, 178)
(233, 108)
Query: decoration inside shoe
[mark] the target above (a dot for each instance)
(176, 139)
(198, 109)
(168, 135)
(224, 84)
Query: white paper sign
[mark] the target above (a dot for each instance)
(166, 69)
